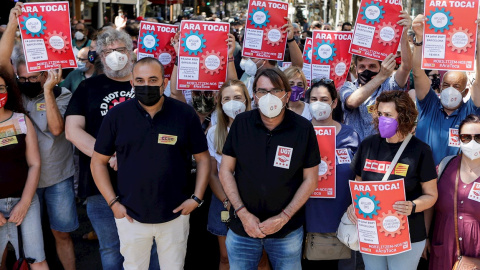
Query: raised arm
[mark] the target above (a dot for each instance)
(55, 122)
(232, 72)
(421, 80)
(295, 53)
(402, 74)
(8, 38)
(475, 93)
(174, 92)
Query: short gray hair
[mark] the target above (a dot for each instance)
(18, 61)
(108, 36)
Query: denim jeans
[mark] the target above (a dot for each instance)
(403, 261)
(244, 253)
(103, 222)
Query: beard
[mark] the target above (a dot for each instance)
(125, 71)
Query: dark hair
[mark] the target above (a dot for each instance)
(470, 119)
(337, 113)
(357, 58)
(14, 100)
(407, 113)
(149, 60)
(275, 76)
(346, 24)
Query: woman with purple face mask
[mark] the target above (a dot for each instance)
(298, 83)
(394, 117)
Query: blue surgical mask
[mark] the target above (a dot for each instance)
(82, 66)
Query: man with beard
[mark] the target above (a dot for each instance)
(92, 100)
(45, 104)
(375, 77)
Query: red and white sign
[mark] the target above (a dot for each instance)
(342, 156)
(283, 157)
(154, 41)
(264, 36)
(475, 192)
(450, 35)
(330, 57)
(381, 230)
(377, 33)
(46, 36)
(307, 60)
(202, 56)
(327, 185)
(453, 137)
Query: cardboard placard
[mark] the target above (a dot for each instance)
(381, 230)
(264, 36)
(154, 41)
(307, 60)
(46, 36)
(202, 56)
(330, 57)
(450, 35)
(377, 33)
(327, 186)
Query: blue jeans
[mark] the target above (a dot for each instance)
(244, 253)
(103, 222)
(403, 261)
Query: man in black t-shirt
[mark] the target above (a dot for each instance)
(153, 137)
(269, 169)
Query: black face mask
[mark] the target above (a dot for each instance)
(203, 104)
(148, 95)
(30, 89)
(365, 76)
(92, 55)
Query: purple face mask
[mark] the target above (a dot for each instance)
(297, 93)
(387, 126)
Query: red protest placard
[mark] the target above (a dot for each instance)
(203, 55)
(450, 35)
(377, 33)
(154, 41)
(307, 60)
(381, 230)
(326, 187)
(330, 57)
(46, 36)
(264, 37)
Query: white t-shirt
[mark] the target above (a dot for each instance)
(211, 145)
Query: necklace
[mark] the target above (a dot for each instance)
(471, 169)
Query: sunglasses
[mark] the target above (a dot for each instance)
(466, 138)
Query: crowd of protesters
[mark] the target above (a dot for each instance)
(144, 155)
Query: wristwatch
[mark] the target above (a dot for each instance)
(414, 207)
(195, 198)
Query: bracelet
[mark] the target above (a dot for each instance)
(283, 211)
(230, 59)
(290, 40)
(240, 208)
(112, 202)
(225, 202)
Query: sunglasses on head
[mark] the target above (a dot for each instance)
(466, 138)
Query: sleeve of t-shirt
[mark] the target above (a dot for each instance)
(391, 84)
(229, 146)
(63, 100)
(211, 141)
(78, 102)
(428, 103)
(312, 158)
(346, 90)
(198, 141)
(105, 141)
(356, 164)
(426, 166)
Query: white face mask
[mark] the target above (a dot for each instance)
(270, 105)
(233, 107)
(450, 98)
(471, 150)
(79, 35)
(251, 67)
(242, 63)
(320, 110)
(116, 61)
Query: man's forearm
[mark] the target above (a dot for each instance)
(102, 178)
(364, 92)
(81, 139)
(231, 190)
(296, 55)
(303, 193)
(7, 42)
(55, 121)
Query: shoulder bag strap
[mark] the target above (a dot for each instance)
(397, 156)
(455, 210)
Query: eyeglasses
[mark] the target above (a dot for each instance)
(262, 92)
(82, 59)
(466, 138)
(32, 79)
(3, 89)
(109, 51)
(324, 81)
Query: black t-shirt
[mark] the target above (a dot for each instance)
(154, 156)
(269, 165)
(93, 99)
(369, 160)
